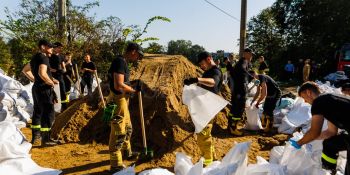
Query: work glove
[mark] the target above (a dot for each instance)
(190, 81)
(257, 82)
(294, 144)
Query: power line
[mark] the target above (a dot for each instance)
(223, 11)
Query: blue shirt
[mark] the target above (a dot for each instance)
(289, 68)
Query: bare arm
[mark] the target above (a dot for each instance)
(263, 92)
(210, 82)
(120, 85)
(43, 75)
(332, 130)
(27, 71)
(315, 130)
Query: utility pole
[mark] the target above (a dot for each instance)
(242, 38)
(62, 19)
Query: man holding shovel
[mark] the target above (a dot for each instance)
(121, 128)
(211, 81)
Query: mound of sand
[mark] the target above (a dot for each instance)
(169, 127)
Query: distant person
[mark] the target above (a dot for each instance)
(306, 70)
(120, 90)
(69, 75)
(211, 81)
(240, 77)
(88, 69)
(299, 70)
(268, 91)
(334, 109)
(232, 59)
(289, 70)
(218, 63)
(228, 65)
(44, 97)
(314, 70)
(58, 68)
(262, 65)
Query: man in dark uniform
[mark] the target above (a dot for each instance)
(334, 108)
(240, 76)
(211, 81)
(58, 69)
(270, 91)
(38, 70)
(69, 75)
(121, 128)
(88, 69)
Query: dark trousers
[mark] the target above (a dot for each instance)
(59, 78)
(331, 148)
(44, 113)
(238, 100)
(270, 104)
(67, 83)
(86, 81)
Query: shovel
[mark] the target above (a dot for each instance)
(147, 153)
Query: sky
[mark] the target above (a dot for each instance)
(193, 20)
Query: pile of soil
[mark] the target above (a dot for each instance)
(169, 127)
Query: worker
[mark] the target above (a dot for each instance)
(211, 81)
(121, 128)
(263, 68)
(38, 70)
(69, 75)
(333, 108)
(58, 68)
(306, 70)
(240, 75)
(269, 91)
(88, 69)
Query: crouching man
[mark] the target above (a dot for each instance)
(334, 108)
(211, 81)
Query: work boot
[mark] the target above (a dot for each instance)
(36, 138)
(269, 123)
(117, 169)
(130, 155)
(263, 120)
(46, 139)
(234, 130)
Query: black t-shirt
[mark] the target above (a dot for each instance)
(89, 65)
(240, 75)
(119, 66)
(216, 74)
(335, 108)
(56, 63)
(272, 87)
(36, 61)
(69, 70)
(262, 66)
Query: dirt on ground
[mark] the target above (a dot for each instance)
(168, 125)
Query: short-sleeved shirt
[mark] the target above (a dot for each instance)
(89, 65)
(240, 75)
(216, 74)
(289, 68)
(272, 87)
(56, 63)
(37, 60)
(119, 66)
(334, 108)
(263, 66)
(69, 69)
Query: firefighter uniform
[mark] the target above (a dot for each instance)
(56, 63)
(121, 128)
(334, 108)
(43, 97)
(68, 78)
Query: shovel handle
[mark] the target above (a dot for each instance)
(142, 120)
(99, 90)
(77, 77)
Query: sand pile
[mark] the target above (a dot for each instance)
(168, 125)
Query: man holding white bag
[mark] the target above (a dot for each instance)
(211, 81)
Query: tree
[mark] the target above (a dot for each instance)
(185, 48)
(6, 62)
(154, 48)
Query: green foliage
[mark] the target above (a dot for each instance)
(154, 48)
(185, 48)
(6, 64)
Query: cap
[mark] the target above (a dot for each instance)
(249, 51)
(45, 43)
(203, 55)
(57, 44)
(134, 46)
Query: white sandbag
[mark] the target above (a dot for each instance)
(58, 105)
(252, 89)
(3, 80)
(253, 119)
(25, 166)
(265, 168)
(203, 105)
(28, 91)
(276, 154)
(341, 162)
(24, 114)
(278, 115)
(7, 100)
(183, 164)
(13, 87)
(300, 113)
(157, 171)
(197, 169)
(286, 126)
(21, 102)
(126, 171)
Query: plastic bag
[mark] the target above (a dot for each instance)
(126, 171)
(300, 113)
(183, 164)
(157, 171)
(265, 168)
(276, 154)
(58, 105)
(253, 119)
(203, 105)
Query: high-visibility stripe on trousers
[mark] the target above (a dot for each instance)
(205, 144)
(331, 148)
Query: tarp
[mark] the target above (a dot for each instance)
(203, 105)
